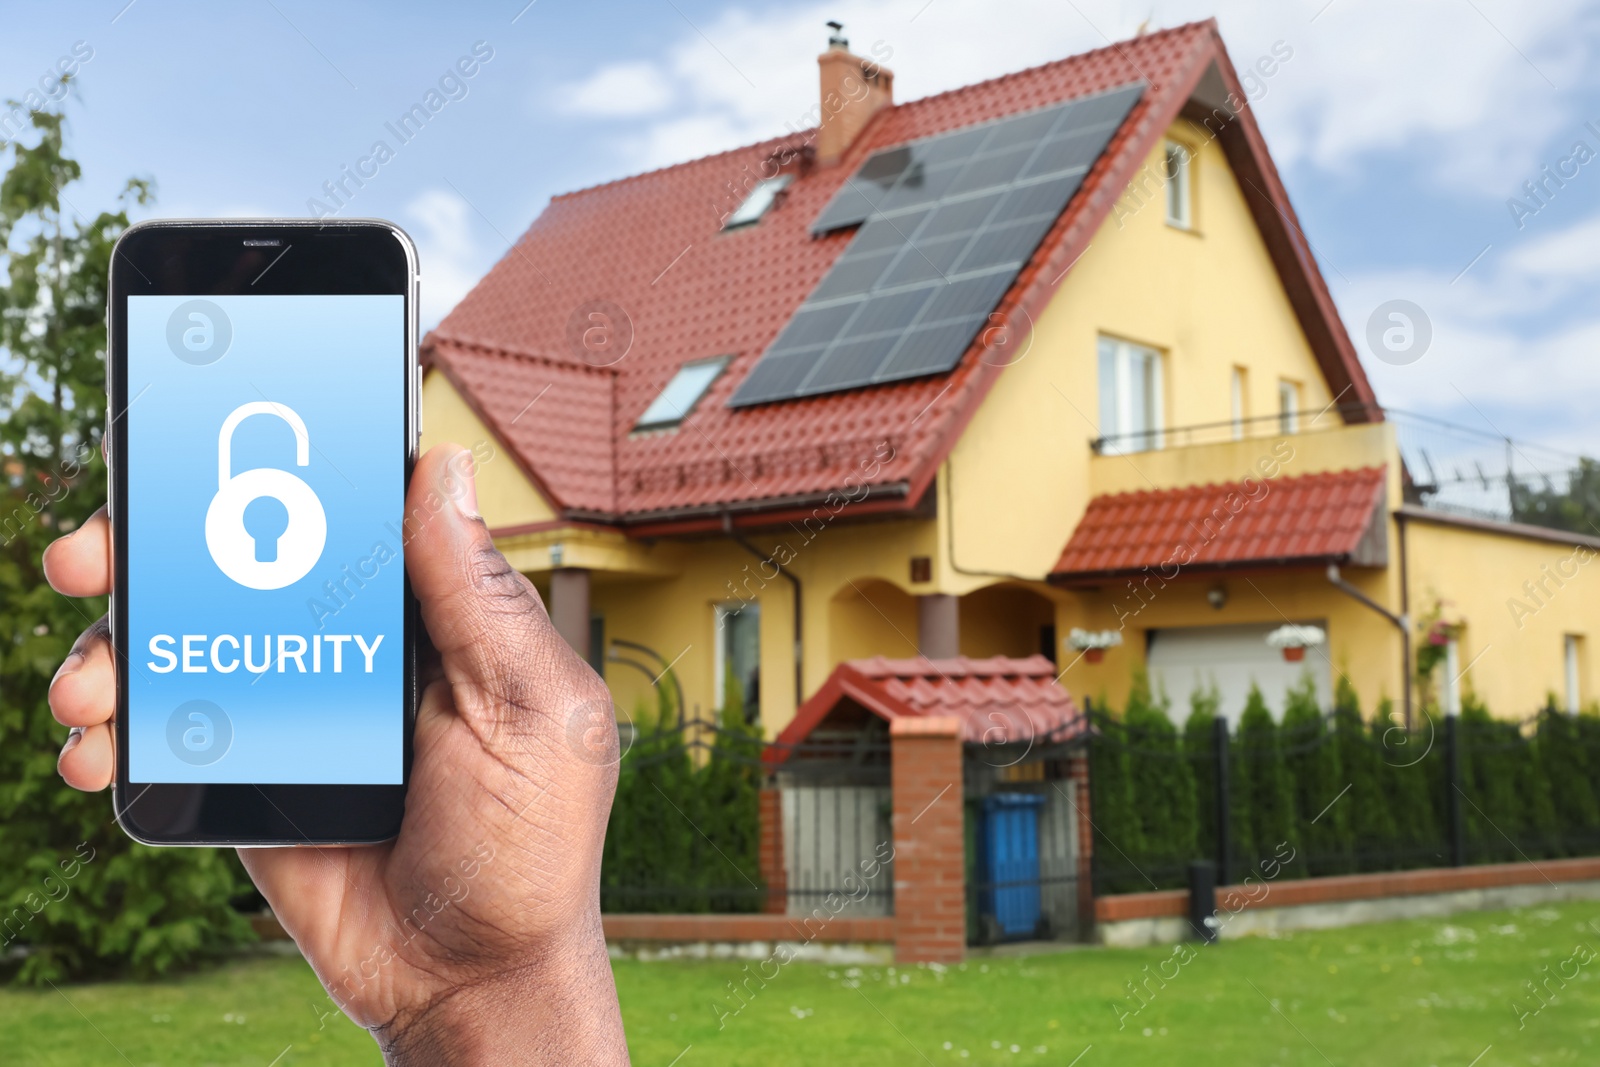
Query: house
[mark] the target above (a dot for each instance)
(961, 376)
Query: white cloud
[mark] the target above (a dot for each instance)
(451, 260)
(1462, 96)
(1445, 94)
(622, 89)
(1504, 357)
(1571, 254)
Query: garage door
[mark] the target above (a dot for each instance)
(1233, 656)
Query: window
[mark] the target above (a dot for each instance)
(738, 656)
(1239, 401)
(1179, 199)
(1130, 397)
(1573, 643)
(759, 201)
(1289, 406)
(682, 393)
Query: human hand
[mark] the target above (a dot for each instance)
(474, 936)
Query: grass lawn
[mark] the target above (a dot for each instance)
(1435, 992)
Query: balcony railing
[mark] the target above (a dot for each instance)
(1446, 466)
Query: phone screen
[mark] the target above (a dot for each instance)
(265, 501)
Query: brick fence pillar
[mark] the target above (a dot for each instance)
(930, 907)
(1078, 784)
(770, 851)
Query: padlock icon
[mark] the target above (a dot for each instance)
(249, 559)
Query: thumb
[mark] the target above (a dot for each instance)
(501, 654)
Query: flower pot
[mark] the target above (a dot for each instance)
(1294, 654)
(1094, 655)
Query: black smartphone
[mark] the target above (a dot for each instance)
(262, 426)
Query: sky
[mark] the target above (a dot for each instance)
(1405, 133)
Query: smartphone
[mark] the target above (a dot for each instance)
(263, 417)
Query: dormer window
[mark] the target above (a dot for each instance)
(674, 403)
(759, 201)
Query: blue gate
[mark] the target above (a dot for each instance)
(1011, 860)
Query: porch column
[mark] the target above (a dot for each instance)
(569, 606)
(939, 625)
(930, 890)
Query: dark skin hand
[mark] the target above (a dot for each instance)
(497, 864)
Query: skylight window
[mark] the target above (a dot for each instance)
(759, 201)
(682, 393)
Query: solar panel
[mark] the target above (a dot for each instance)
(945, 224)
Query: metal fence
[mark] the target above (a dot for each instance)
(1341, 795)
(1022, 845)
(1469, 470)
(710, 818)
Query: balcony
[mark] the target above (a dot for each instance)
(1443, 466)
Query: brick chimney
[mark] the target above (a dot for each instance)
(853, 90)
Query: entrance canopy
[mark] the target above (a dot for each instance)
(998, 701)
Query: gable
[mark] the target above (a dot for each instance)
(506, 497)
(1207, 299)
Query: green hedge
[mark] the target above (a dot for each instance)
(1349, 794)
(685, 825)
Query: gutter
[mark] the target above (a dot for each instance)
(799, 616)
(1401, 622)
(891, 491)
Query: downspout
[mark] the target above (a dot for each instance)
(764, 557)
(1405, 610)
(1401, 622)
(949, 509)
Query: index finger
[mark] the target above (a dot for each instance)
(79, 564)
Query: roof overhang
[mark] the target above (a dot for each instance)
(1288, 523)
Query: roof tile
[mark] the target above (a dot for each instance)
(999, 700)
(1302, 519)
(652, 245)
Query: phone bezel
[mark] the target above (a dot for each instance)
(205, 258)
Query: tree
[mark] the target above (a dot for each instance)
(1199, 740)
(647, 863)
(1371, 819)
(1409, 770)
(1568, 770)
(729, 799)
(1575, 508)
(1264, 785)
(1162, 783)
(1311, 759)
(82, 897)
(1495, 811)
(1118, 837)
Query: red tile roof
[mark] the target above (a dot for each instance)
(682, 289)
(999, 700)
(1307, 519)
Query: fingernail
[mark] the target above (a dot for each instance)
(68, 666)
(467, 499)
(73, 737)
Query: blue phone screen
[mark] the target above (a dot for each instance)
(266, 481)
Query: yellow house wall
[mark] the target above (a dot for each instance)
(505, 495)
(1208, 299)
(1362, 645)
(1518, 598)
(857, 601)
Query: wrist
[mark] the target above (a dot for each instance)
(560, 1006)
